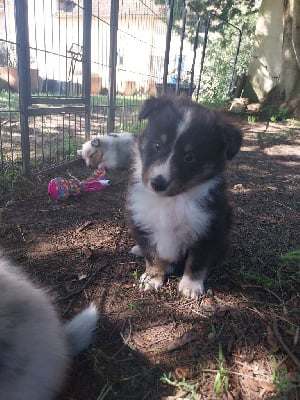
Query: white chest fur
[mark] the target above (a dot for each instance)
(173, 223)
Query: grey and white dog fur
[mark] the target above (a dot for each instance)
(35, 347)
(113, 151)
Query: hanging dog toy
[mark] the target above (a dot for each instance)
(61, 188)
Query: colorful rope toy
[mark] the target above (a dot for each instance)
(61, 188)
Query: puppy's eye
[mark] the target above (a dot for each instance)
(156, 146)
(189, 157)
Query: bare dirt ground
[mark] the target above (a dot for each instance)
(239, 341)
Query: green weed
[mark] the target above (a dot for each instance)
(135, 275)
(282, 384)
(11, 183)
(221, 383)
(275, 114)
(186, 390)
(252, 119)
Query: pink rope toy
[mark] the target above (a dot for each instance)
(61, 188)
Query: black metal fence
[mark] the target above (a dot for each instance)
(70, 69)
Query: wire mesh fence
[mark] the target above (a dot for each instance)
(72, 69)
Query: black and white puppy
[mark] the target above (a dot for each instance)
(35, 347)
(177, 206)
(112, 151)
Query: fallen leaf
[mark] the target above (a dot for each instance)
(187, 337)
(181, 372)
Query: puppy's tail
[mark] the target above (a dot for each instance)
(81, 328)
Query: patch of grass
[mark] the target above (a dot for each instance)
(9, 105)
(135, 275)
(11, 183)
(185, 389)
(133, 126)
(283, 385)
(252, 119)
(221, 383)
(274, 114)
(284, 271)
(135, 306)
(293, 255)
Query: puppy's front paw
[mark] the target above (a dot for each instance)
(148, 282)
(191, 288)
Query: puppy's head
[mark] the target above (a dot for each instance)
(184, 144)
(92, 153)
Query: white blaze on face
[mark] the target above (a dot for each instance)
(184, 123)
(163, 168)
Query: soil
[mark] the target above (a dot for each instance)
(243, 334)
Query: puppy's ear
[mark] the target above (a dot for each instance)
(233, 138)
(79, 152)
(148, 107)
(95, 142)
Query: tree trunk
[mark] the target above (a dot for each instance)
(289, 83)
(274, 73)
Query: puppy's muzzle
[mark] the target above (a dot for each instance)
(159, 183)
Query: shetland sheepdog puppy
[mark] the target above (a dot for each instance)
(177, 206)
(113, 151)
(35, 347)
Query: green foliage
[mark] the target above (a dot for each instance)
(274, 113)
(284, 273)
(7, 55)
(252, 119)
(282, 384)
(220, 55)
(186, 389)
(293, 255)
(221, 383)
(3, 55)
(9, 105)
(223, 37)
(11, 183)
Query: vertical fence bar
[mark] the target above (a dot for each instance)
(231, 88)
(168, 43)
(86, 64)
(182, 35)
(114, 13)
(195, 47)
(207, 25)
(23, 60)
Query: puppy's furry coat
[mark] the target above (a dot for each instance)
(35, 348)
(177, 206)
(112, 151)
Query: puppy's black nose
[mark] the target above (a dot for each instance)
(159, 184)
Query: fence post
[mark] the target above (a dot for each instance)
(114, 14)
(86, 65)
(168, 43)
(182, 35)
(207, 25)
(195, 47)
(23, 63)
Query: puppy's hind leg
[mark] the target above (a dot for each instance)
(154, 276)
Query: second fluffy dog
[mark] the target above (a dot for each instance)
(178, 210)
(112, 151)
(35, 347)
